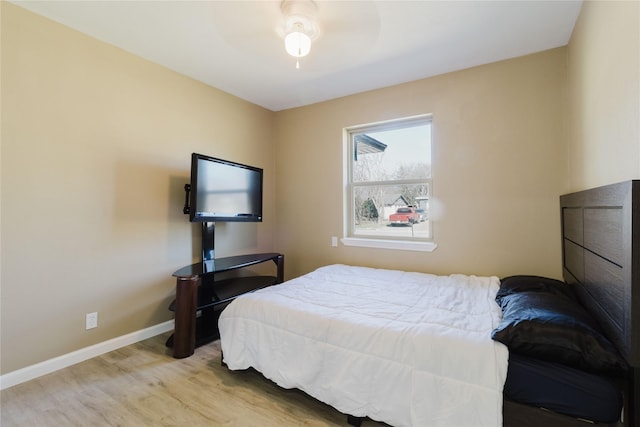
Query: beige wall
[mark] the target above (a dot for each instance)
(96, 148)
(604, 79)
(499, 156)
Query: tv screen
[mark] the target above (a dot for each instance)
(224, 191)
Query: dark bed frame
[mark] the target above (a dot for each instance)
(601, 260)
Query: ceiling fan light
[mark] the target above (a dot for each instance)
(297, 44)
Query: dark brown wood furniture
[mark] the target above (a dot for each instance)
(601, 257)
(197, 290)
(601, 260)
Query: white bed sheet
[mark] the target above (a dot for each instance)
(408, 349)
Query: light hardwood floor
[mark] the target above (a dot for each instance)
(142, 385)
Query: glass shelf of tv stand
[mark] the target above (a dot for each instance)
(220, 265)
(221, 291)
(228, 289)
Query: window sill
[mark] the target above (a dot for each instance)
(389, 244)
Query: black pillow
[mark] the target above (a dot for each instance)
(517, 284)
(542, 318)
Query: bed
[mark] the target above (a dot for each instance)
(413, 349)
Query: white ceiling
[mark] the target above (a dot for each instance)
(235, 46)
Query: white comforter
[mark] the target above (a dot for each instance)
(408, 349)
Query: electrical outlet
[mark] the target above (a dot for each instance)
(334, 241)
(91, 320)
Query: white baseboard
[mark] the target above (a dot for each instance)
(34, 371)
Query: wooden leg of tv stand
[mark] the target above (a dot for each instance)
(184, 334)
(280, 268)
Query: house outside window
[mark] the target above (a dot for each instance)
(388, 184)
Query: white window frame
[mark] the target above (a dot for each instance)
(350, 238)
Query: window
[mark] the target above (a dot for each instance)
(388, 184)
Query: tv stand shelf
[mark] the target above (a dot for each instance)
(228, 289)
(198, 291)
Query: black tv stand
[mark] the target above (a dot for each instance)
(198, 291)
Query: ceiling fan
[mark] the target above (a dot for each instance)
(340, 31)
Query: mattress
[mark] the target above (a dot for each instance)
(562, 389)
(408, 349)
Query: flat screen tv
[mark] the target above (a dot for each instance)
(224, 191)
